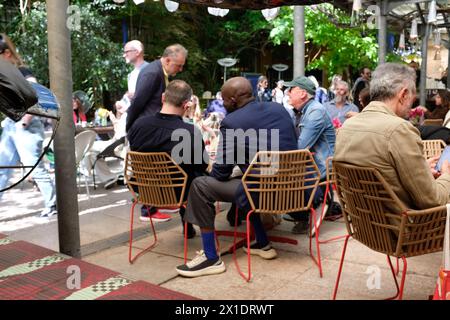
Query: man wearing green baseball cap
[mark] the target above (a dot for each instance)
(316, 133)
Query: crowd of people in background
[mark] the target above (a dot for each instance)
(307, 116)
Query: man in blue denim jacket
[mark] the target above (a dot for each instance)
(315, 132)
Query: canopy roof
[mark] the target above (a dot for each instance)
(254, 4)
(400, 12)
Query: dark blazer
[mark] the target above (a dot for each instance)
(255, 119)
(149, 89)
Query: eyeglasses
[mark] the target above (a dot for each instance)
(128, 51)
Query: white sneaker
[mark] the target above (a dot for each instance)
(48, 212)
(266, 252)
(201, 266)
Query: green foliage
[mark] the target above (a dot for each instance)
(325, 27)
(97, 63)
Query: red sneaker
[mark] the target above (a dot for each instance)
(157, 216)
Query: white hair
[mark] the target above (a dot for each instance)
(136, 45)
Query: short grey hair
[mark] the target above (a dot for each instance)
(389, 78)
(175, 50)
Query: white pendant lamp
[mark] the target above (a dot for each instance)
(402, 42)
(413, 35)
(171, 6)
(218, 11)
(357, 5)
(270, 14)
(432, 13)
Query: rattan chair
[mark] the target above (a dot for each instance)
(276, 183)
(432, 148)
(366, 198)
(154, 179)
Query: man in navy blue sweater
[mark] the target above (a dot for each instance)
(245, 115)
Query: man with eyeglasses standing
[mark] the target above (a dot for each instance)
(147, 100)
(133, 54)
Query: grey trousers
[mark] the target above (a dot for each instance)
(203, 194)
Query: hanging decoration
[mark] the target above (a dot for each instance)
(402, 42)
(437, 45)
(356, 12)
(171, 6)
(432, 13)
(270, 14)
(23, 6)
(413, 35)
(219, 12)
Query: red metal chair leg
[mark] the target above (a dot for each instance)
(245, 277)
(312, 217)
(327, 190)
(130, 259)
(398, 268)
(400, 288)
(336, 287)
(402, 282)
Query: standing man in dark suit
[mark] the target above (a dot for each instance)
(152, 82)
(249, 127)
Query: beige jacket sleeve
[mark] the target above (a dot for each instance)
(406, 149)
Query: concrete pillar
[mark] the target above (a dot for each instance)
(382, 31)
(60, 67)
(299, 41)
(423, 66)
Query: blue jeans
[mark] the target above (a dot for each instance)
(25, 144)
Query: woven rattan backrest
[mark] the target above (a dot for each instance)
(155, 179)
(433, 148)
(280, 181)
(366, 198)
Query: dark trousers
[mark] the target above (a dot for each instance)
(203, 194)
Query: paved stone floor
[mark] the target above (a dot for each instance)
(104, 226)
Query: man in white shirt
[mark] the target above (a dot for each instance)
(133, 53)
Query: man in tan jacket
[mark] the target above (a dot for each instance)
(380, 137)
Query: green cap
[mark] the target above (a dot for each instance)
(303, 83)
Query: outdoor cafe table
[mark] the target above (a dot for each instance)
(104, 132)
